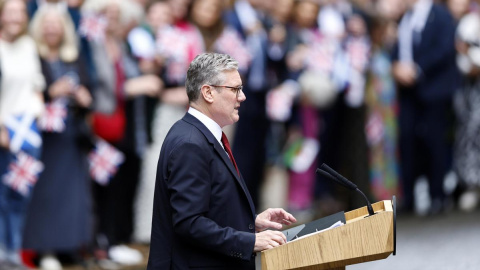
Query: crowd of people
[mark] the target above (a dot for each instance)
(383, 91)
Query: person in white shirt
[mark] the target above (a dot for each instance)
(21, 89)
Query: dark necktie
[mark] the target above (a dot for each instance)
(226, 144)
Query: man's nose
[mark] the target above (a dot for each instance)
(241, 96)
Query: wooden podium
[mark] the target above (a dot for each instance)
(363, 238)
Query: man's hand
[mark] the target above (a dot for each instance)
(273, 218)
(404, 73)
(268, 239)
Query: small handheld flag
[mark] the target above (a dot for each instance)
(23, 173)
(104, 161)
(23, 132)
(54, 117)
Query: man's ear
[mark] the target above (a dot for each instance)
(207, 93)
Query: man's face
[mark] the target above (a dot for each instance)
(225, 105)
(411, 3)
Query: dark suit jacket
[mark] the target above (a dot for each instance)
(434, 53)
(203, 216)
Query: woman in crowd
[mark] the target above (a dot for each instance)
(119, 118)
(381, 126)
(467, 141)
(352, 147)
(142, 39)
(59, 217)
(21, 89)
(144, 46)
(177, 45)
(314, 62)
(206, 15)
(279, 99)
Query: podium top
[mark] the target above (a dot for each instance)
(363, 238)
(380, 206)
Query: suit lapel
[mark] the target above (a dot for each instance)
(223, 155)
(419, 36)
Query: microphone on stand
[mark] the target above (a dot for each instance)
(330, 173)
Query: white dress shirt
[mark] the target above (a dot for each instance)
(214, 128)
(413, 21)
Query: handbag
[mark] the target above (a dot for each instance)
(111, 127)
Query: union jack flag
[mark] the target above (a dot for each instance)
(53, 119)
(179, 45)
(173, 45)
(321, 53)
(92, 26)
(231, 43)
(358, 50)
(171, 42)
(23, 173)
(104, 161)
(279, 102)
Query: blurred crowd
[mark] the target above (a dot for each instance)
(383, 91)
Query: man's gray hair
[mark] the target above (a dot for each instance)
(207, 68)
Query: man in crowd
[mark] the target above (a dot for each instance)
(425, 71)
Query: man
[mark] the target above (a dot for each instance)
(203, 215)
(424, 68)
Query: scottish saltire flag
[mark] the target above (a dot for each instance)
(104, 161)
(23, 173)
(24, 134)
(54, 116)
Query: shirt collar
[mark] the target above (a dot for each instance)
(214, 128)
(422, 4)
(421, 10)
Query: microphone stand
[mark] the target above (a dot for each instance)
(330, 173)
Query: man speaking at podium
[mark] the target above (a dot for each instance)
(203, 215)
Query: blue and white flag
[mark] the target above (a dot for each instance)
(24, 134)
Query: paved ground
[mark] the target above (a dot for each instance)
(447, 242)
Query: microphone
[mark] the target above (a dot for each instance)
(330, 173)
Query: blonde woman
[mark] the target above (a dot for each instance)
(59, 215)
(20, 94)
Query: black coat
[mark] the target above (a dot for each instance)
(434, 53)
(60, 212)
(203, 216)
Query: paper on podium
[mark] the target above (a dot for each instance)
(336, 224)
(314, 226)
(293, 232)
